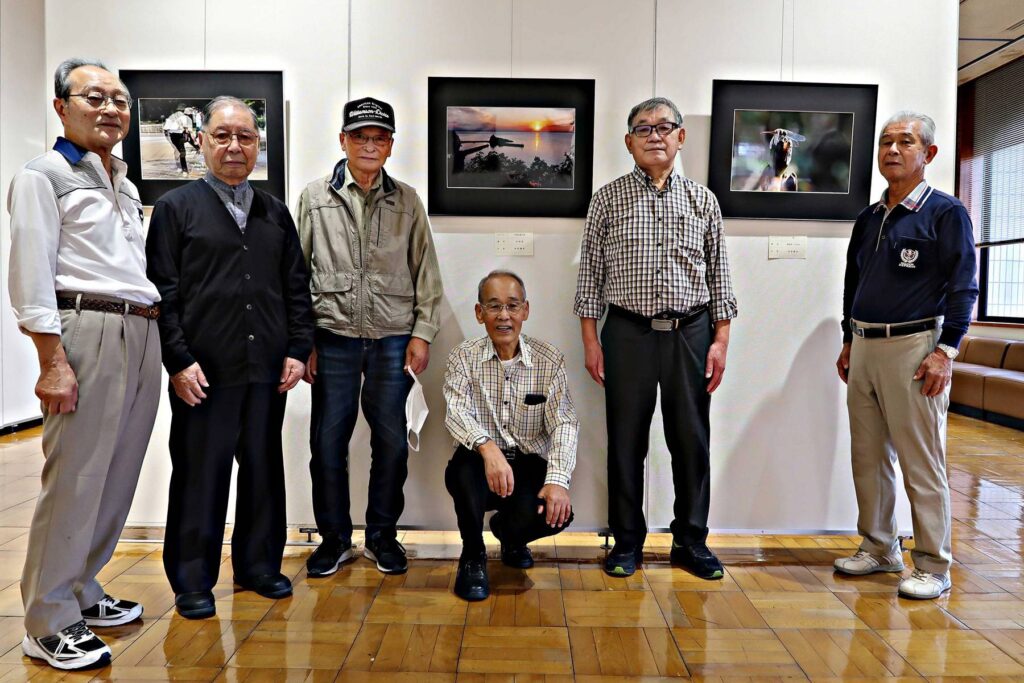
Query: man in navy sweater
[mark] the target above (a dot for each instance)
(909, 292)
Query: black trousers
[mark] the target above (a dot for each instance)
(178, 140)
(240, 423)
(467, 483)
(638, 360)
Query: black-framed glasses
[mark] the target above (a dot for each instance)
(363, 138)
(512, 307)
(98, 100)
(246, 138)
(663, 129)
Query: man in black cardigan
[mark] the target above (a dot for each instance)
(236, 320)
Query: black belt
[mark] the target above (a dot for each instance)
(665, 321)
(83, 303)
(893, 330)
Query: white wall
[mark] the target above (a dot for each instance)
(780, 435)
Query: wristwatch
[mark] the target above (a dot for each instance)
(479, 442)
(951, 353)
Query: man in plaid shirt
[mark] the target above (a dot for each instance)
(508, 403)
(653, 252)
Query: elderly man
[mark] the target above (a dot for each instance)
(909, 292)
(653, 250)
(376, 293)
(508, 403)
(79, 290)
(236, 329)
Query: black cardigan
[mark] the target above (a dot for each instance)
(236, 303)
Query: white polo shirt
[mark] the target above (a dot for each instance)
(73, 230)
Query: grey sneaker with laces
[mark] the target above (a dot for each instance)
(922, 585)
(75, 647)
(110, 611)
(863, 562)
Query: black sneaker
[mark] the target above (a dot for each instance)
(75, 647)
(697, 559)
(622, 561)
(110, 611)
(329, 556)
(388, 553)
(471, 582)
(520, 558)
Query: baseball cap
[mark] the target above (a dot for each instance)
(368, 112)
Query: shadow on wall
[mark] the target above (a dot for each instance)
(797, 425)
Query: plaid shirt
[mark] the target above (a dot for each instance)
(526, 405)
(649, 250)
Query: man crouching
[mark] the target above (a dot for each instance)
(508, 403)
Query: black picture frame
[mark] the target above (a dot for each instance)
(850, 108)
(445, 198)
(205, 85)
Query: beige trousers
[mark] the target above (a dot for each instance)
(93, 457)
(890, 419)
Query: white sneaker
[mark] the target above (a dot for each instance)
(111, 612)
(75, 647)
(922, 585)
(863, 562)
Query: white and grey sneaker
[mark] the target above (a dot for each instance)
(110, 611)
(75, 647)
(922, 585)
(863, 562)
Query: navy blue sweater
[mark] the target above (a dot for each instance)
(920, 264)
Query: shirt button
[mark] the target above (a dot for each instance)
(506, 402)
(252, 338)
(248, 307)
(659, 244)
(245, 247)
(248, 277)
(507, 377)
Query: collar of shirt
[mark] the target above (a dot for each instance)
(645, 180)
(70, 150)
(912, 202)
(350, 181)
(488, 352)
(75, 154)
(238, 195)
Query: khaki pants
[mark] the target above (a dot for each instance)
(890, 419)
(93, 457)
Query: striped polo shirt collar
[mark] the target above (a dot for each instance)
(913, 201)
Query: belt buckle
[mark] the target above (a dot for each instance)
(510, 454)
(662, 325)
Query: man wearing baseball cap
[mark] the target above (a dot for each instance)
(376, 293)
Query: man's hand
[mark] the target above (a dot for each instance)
(57, 386)
(497, 469)
(310, 375)
(592, 352)
(189, 384)
(843, 363)
(417, 355)
(937, 370)
(556, 503)
(714, 365)
(291, 372)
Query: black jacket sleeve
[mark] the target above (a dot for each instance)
(163, 258)
(295, 289)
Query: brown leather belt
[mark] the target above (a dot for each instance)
(85, 303)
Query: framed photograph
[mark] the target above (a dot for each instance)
(784, 150)
(162, 145)
(510, 146)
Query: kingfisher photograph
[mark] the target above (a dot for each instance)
(511, 147)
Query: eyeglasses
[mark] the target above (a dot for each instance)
(513, 307)
(246, 138)
(98, 100)
(663, 129)
(363, 138)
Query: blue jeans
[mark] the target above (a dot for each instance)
(343, 364)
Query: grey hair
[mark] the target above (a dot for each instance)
(651, 105)
(927, 124)
(62, 76)
(498, 273)
(222, 101)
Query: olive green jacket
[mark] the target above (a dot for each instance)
(376, 282)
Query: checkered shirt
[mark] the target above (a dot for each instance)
(485, 399)
(649, 250)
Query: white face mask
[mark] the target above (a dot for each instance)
(416, 411)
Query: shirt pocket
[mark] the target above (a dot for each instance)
(910, 255)
(688, 242)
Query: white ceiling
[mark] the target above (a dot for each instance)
(991, 34)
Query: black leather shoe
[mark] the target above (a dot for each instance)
(471, 582)
(387, 553)
(198, 605)
(520, 558)
(622, 561)
(698, 560)
(329, 556)
(271, 586)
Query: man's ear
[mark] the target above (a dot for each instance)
(479, 313)
(929, 153)
(60, 106)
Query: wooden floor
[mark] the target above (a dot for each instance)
(779, 614)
